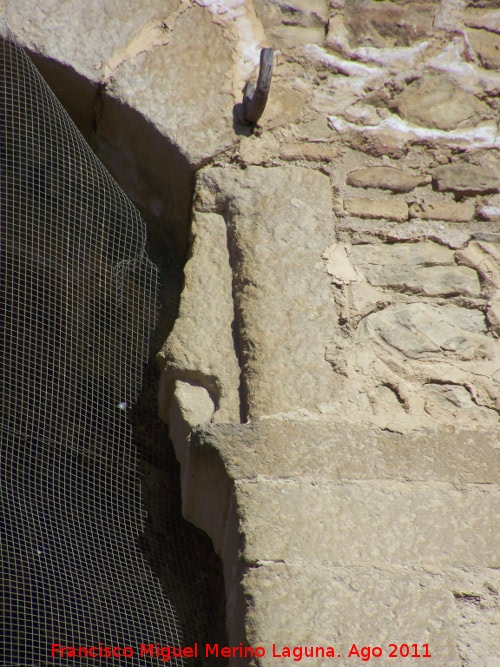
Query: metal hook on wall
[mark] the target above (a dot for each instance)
(255, 96)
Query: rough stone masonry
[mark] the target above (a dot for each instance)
(332, 382)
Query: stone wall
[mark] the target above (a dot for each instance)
(332, 380)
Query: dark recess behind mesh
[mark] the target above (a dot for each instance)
(94, 549)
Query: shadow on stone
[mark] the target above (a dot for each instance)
(240, 126)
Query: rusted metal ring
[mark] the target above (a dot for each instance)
(255, 96)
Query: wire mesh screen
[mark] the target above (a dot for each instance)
(78, 304)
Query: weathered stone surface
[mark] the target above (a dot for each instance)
(195, 111)
(398, 352)
(493, 315)
(484, 4)
(476, 595)
(484, 257)
(362, 606)
(415, 254)
(476, 17)
(277, 221)
(390, 408)
(258, 150)
(347, 452)
(491, 213)
(151, 169)
(455, 612)
(56, 28)
(314, 130)
(249, 451)
(375, 523)
(421, 331)
(449, 211)
(487, 46)
(363, 298)
(290, 36)
(383, 24)
(445, 402)
(200, 349)
(388, 209)
(318, 152)
(436, 101)
(338, 265)
(285, 105)
(307, 13)
(190, 405)
(362, 114)
(466, 179)
(386, 178)
(425, 268)
(293, 23)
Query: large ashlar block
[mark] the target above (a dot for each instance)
(392, 539)
(427, 498)
(279, 223)
(454, 612)
(319, 605)
(188, 92)
(370, 522)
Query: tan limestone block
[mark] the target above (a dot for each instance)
(58, 28)
(191, 405)
(386, 178)
(279, 224)
(310, 151)
(466, 179)
(449, 211)
(388, 24)
(484, 257)
(437, 101)
(487, 46)
(291, 36)
(294, 23)
(426, 268)
(482, 17)
(388, 209)
(314, 130)
(490, 213)
(258, 150)
(187, 93)
(370, 523)
(314, 604)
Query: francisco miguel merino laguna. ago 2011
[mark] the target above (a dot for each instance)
(295, 653)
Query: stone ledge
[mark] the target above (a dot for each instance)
(375, 492)
(294, 449)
